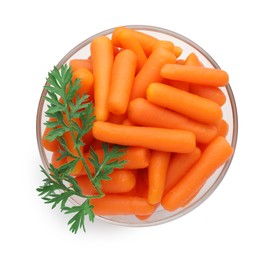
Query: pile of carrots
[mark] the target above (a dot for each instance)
(165, 109)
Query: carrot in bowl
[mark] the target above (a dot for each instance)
(127, 40)
(120, 181)
(102, 61)
(214, 155)
(169, 140)
(195, 74)
(195, 107)
(117, 204)
(157, 171)
(123, 73)
(142, 112)
(150, 72)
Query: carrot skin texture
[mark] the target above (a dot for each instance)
(121, 181)
(157, 171)
(147, 41)
(179, 164)
(195, 107)
(195, 74)
(102, 61)
(150, 72)
(113, 204)
(212, 93)
(81, 63)
(214, 155)
(123, 73)
(86, 82)
(135, 157)
(169, 140)
(129, 41)
(142, 112)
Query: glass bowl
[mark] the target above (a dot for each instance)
(82, 51)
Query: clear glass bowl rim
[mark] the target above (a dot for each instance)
(180, 37)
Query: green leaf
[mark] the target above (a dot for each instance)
(60, 185)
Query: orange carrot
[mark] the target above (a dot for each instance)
(112, 204)
(147, 41)
(142, 112)
(177, 51)
(127, 122)
(179, 164)
(212, 93)
(102, 60)
(164, 44)
(194, 74)
(54, 159)
(193, 60)
(78, 63)
(96, 144)
(177, 84)
(215, 154)
(50, 146)
(222, 127)
(169, 140)
(150, 72)
(180, 61)
(116, 119)
(86, 83)
(135, 157)
(195, 107)
(121, 181)
(157, 171)
(123, 73)
(128, 41)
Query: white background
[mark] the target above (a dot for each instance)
(236, 222)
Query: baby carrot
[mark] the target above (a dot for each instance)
(114, 204)
(121, 181)
(123, 73)
(142, 112)
(177, 51)
(169, 140)
(195, 107)
(164, 44)
(222, 127)
(86, 82)
(194, 74)
(127, 40)
(157, 171)
(179, 164)
(150, 72)
(177, 84)
(212, 93)
(214, 155)
(135, 157)
(81, 63)
(116, 119)
(147, 41)
(127, 122)
(48, 145)
(102, 60)
(192, 59)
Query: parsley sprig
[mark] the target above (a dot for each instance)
(65, 107)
